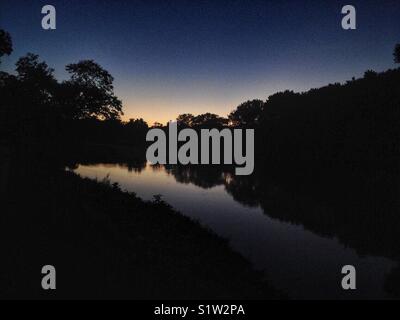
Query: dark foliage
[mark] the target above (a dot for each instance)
(89, 93)
(396, 53)
(106, 243)
(247, 114)
(327, 158)
(5, 43)
(205, 120)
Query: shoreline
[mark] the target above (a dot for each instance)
(107, 243)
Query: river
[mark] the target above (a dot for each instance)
(296, 260)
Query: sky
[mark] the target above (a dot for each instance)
(173, 57)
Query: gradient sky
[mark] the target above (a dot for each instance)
(172, 57)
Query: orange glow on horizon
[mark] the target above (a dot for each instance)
(165, 113)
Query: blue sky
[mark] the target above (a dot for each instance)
(172, 57)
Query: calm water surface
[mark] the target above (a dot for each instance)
(297, 261)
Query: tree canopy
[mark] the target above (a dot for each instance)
(6, 47)
(205, 120)
(397, 53)
(185, 119)
(247, 114)
(34, 104)
(90, 92)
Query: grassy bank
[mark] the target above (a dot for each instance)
(106, 243)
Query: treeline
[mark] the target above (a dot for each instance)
(340, 128)
(35, 108)
(351, 123)
(122, 246)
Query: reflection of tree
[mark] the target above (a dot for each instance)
(136, 166)
(244, 189)
(202, 176)
(392, 283)
(157, 167)
(367, 221)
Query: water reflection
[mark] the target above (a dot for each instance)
(300, 242)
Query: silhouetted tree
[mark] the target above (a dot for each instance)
(208, 120)
(370, 74)
(185, 120)
(247, 114)
(137, 124)
(157, 125)
(5, 80)
(135, 132)
(5, 43)
(396, 53)
(36, 78)
(5, 49)
(27, 100)
(35, 87)
(90, 92)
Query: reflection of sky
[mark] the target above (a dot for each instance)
(174, 56)
(296, 260)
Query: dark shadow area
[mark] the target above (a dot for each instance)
(327, 159)
(105, 243)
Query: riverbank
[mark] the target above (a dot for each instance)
(106, 243)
